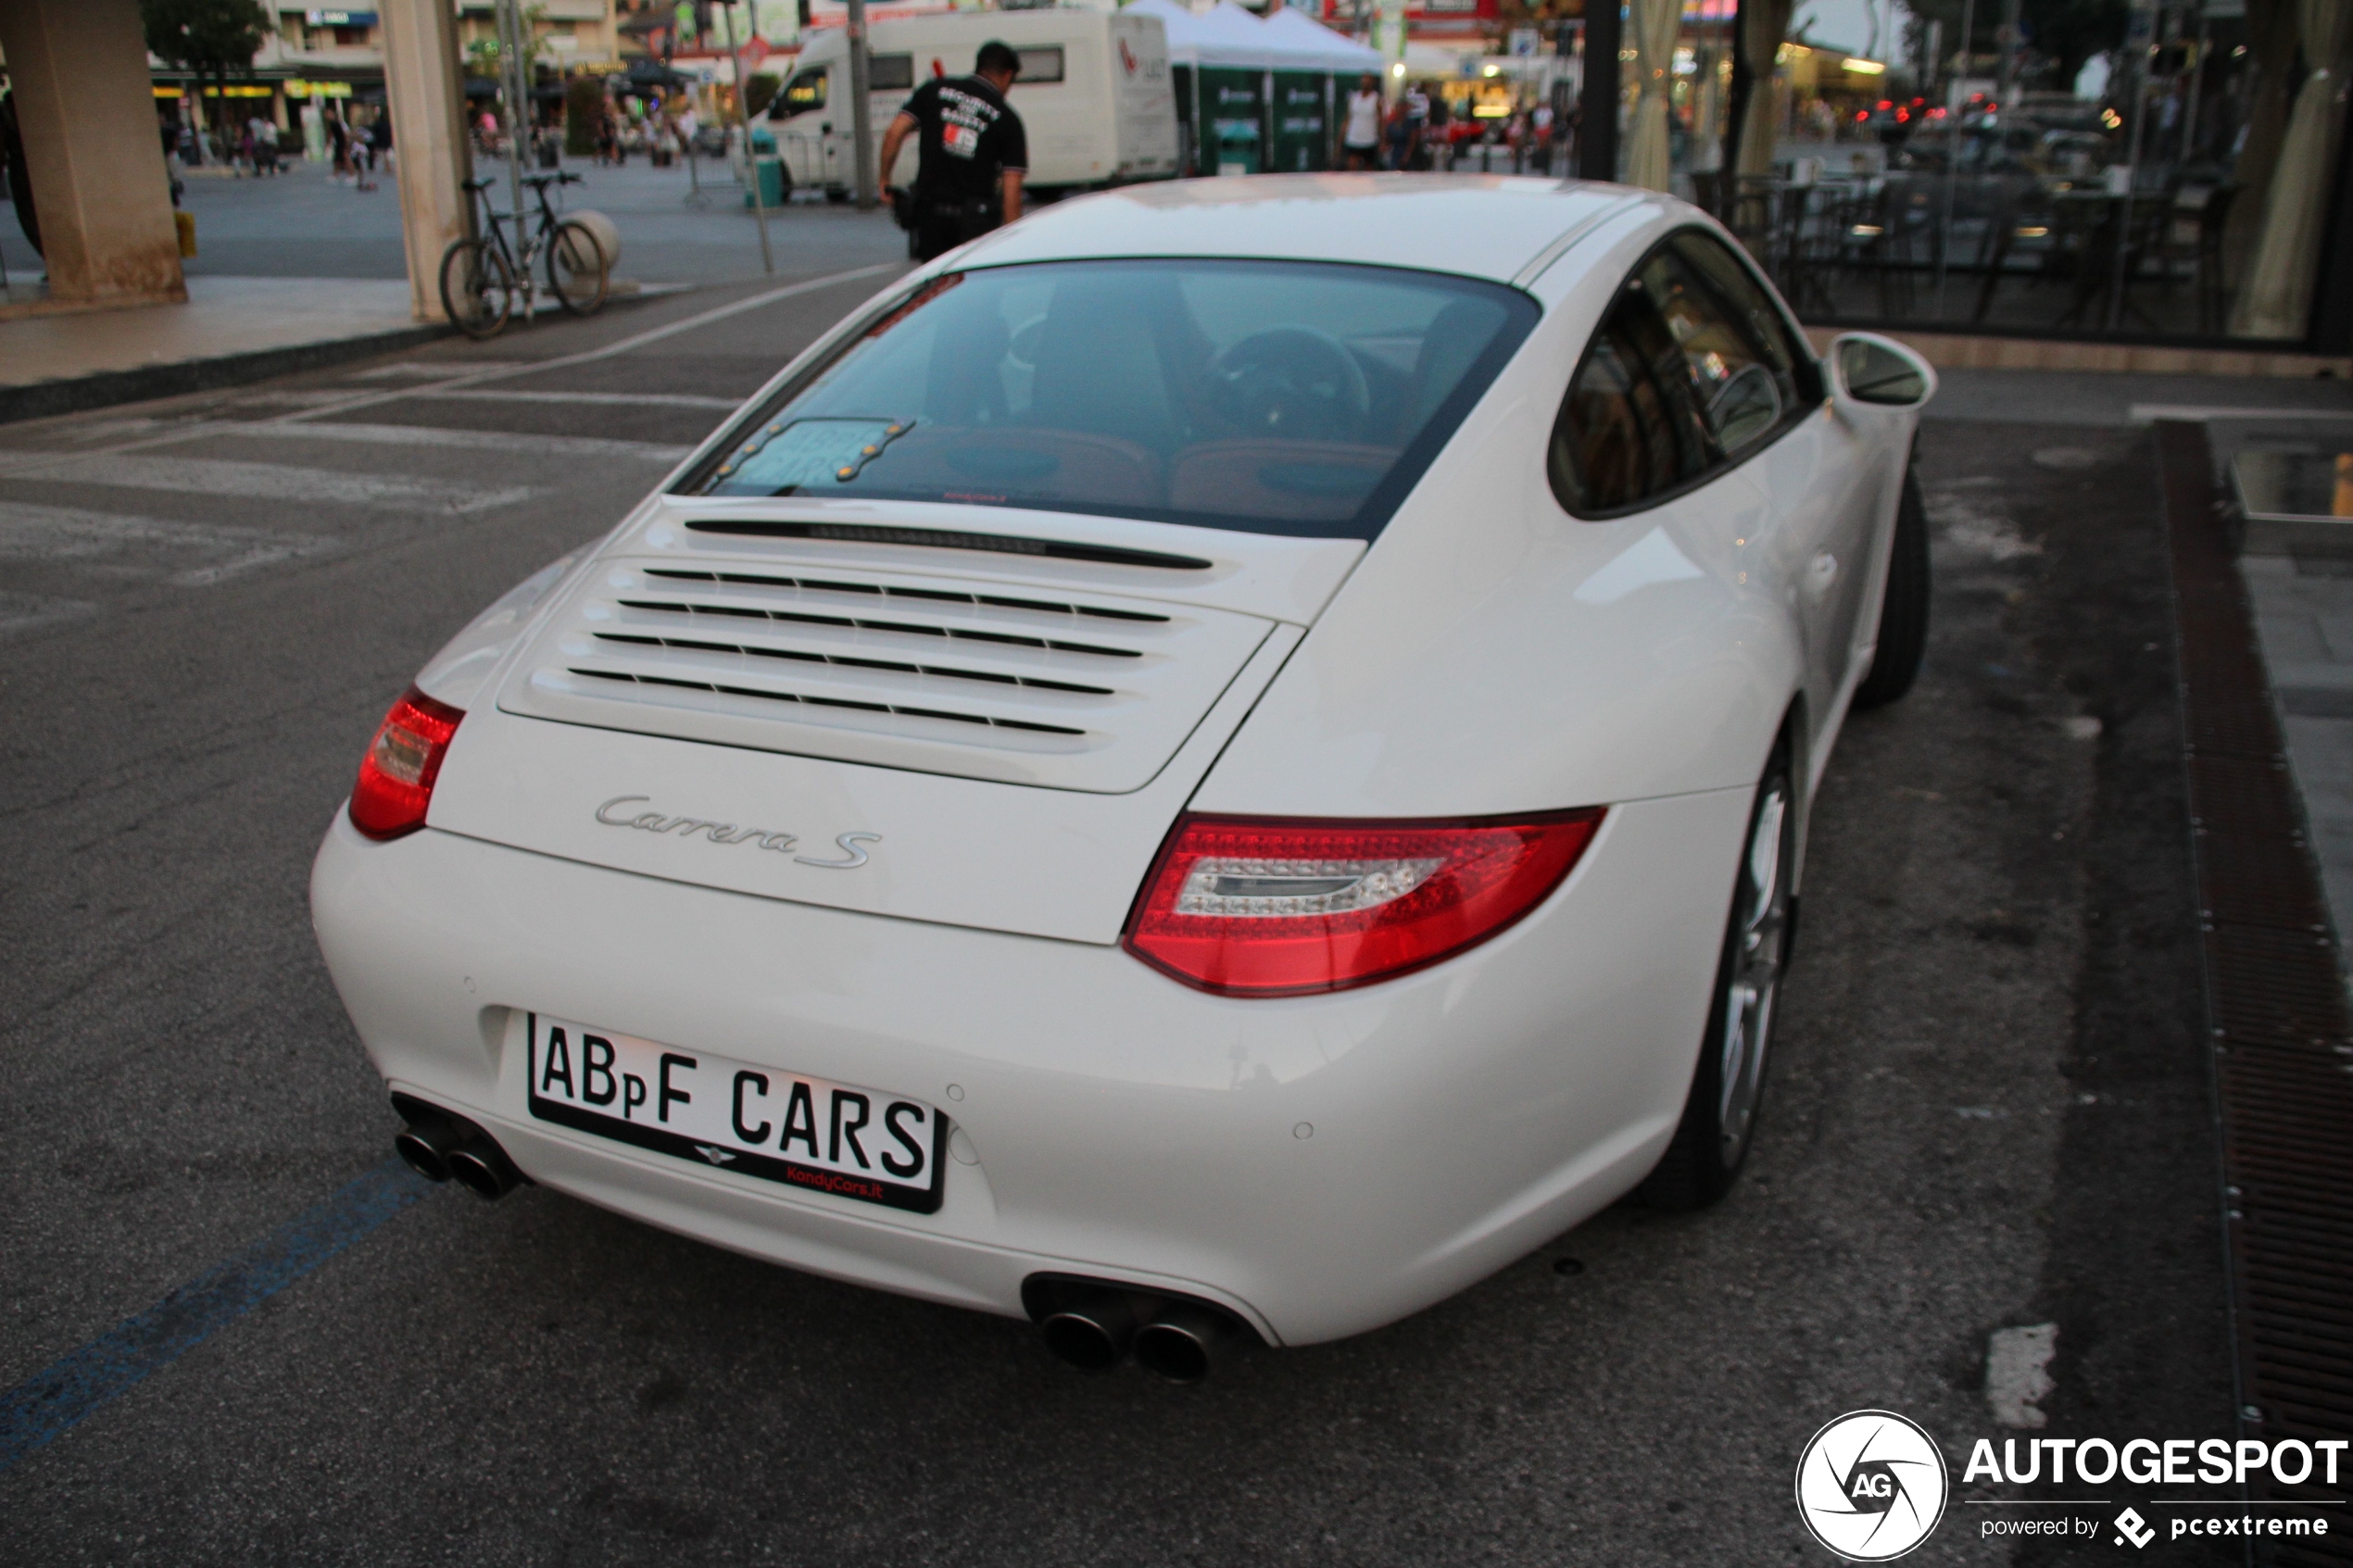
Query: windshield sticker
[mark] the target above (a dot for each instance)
(788, 455)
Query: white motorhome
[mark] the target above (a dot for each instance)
(1093, 95)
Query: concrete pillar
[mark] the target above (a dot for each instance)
(425, 94)
(87, 110)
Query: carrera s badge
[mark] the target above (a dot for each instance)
(852, 844)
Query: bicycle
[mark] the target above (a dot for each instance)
(480, 277)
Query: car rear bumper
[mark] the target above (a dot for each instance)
(1322, 1165)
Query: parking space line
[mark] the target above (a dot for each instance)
(2149, 413)
(52, 1400)
(34, 462)
(512, 442)
(66, 534)
(625, 345)
(608, 400)
(274, 482)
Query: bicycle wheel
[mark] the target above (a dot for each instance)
(477, 287)
(576, 270)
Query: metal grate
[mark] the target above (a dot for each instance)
(2282, 1036)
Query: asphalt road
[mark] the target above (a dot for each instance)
(1987, 1109)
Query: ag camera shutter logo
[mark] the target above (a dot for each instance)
(1871, 1485)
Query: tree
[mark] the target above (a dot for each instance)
(486, 56)
(206, 38)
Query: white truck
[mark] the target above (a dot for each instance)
(1094, 95)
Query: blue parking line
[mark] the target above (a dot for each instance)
(52, 1400)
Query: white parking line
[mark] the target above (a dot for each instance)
(273, 482)
(24, 612)
(507, 441)
(52, 534)
(627, 344)
(2018, 1374)
(26, 463)
(2149, 413)
(611, 399)
(442, 370)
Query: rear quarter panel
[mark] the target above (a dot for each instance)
(1495, 654)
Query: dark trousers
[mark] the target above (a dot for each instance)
(940, 226)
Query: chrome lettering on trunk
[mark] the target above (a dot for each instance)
(852, 844)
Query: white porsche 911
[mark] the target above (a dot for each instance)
(1215, 765)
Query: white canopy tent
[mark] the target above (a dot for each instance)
(1308, 45)
(1228, 37)
(1225, 36)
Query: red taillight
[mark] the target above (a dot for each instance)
(395, 777)
(1279, 906)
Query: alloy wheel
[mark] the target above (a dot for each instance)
(1756, 972)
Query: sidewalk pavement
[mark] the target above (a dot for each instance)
(2304, 619)
(232, 329)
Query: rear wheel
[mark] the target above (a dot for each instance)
(577, 274)
(477, 287)
(1903, 616)
(1713, 1138)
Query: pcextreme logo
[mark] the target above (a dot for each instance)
(1871, 1485)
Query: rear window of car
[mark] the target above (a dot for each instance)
(1270, 397)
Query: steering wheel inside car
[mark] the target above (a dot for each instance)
(1292, 382)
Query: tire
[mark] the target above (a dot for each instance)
(1903, 614)
(477, 288)
(577, 274)
(839, 196)
(1727, 1083)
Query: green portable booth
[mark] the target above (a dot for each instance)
(1233, 120)
(1256, 96)
(1300, 117)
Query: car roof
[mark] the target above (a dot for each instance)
(1480, 226)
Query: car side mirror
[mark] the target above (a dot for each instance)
(1866, 368)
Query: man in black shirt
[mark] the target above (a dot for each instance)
(971, 155)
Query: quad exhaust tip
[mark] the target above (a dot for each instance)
(1094, 1325)
(443, 1147)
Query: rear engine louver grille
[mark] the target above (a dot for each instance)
(828, 701)
(1047, 688)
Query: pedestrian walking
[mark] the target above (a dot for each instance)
(265, 144)
(1437, 131)
(971, 154)
(1360, 138)
(363, 157)
(339, 142)
(1402, 138)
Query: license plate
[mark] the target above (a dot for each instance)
(786, 1127)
